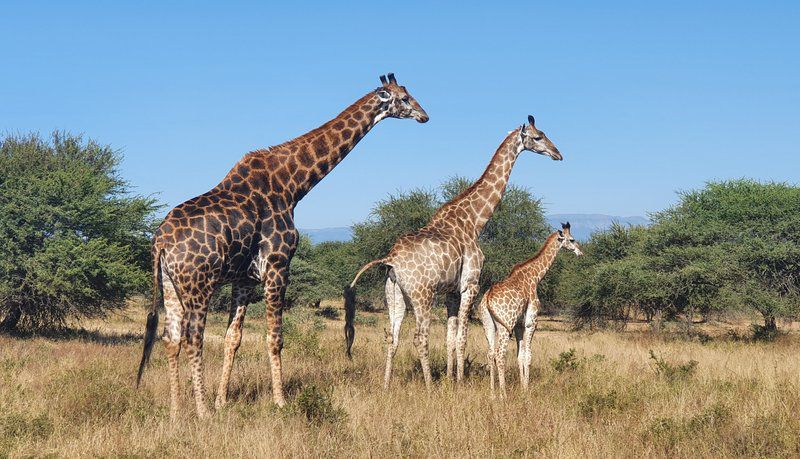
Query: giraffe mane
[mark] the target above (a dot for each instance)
(281, 147)
(538, 253)
(475, 184)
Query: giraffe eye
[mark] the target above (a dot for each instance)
(537, 137)
(405, 99)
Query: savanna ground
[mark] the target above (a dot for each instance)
(72, 395)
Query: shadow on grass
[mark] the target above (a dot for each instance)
(81, 335)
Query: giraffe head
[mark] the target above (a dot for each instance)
(566, 240)
(396, 102)
(534, 140)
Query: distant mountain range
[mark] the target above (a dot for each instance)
(583, 225)
(340, 233)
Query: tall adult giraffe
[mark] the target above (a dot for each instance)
(444, 256)
(242, 232)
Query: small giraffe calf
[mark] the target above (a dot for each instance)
(512, 305)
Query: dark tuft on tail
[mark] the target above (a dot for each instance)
(149, 340)
(152, 316)
(349, 316)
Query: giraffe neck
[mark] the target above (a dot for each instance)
(291, 169)
(535, 268)
(480, 200)
(325, 147)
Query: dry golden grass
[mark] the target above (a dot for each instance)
(73, 397)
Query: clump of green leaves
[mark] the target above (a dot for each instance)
(599, 403)
(16, 427)
(672, 372)
(301, 332)
(318, 407)
(667, 432)
(567, 360)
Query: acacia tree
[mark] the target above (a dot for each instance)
(74, 241)
(310, 281)
(731, 245)
(738, 244)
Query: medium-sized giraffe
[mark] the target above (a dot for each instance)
(512, 305)
(444, 256)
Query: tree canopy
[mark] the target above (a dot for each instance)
(732, 245)
(74, 240)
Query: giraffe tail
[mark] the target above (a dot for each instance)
(152, 316)
(350, 307)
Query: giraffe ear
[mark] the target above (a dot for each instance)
(383, 94)
(560, 234)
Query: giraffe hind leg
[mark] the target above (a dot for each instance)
(422, 309)
(452, 301)
(195, 313)
(173, 326)
(530, 329)
(489, 328)
(241, 296)
(519, 332)
(396, 305)
(501, 345)
(467, 297)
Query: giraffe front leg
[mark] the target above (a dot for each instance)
(195, 327)
(275, 254)
(452, 302)
(467, 297)
(274, 294)
(241, 295)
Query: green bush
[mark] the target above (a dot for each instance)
(598, 403)
(317, 407)
(16, 427)
(301, 332)
(673, 372)
(566, 361)
(74, 240)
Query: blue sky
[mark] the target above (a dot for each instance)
(642, 98)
